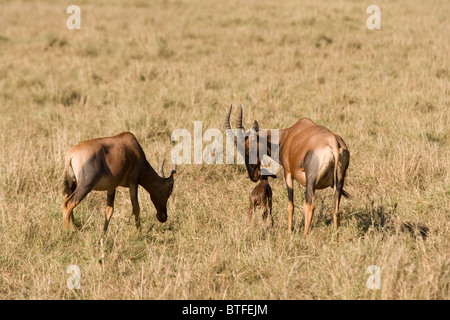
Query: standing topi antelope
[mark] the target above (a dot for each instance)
(262, 196)
(110, 162)
(310, 154)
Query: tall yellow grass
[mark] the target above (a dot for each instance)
(151, 67)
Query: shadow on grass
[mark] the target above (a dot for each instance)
(381, 218)
(375, 217)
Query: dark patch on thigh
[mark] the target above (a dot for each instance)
(311, 166)
(91, 172)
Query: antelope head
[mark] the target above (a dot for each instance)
(249, 144)
(161, 192)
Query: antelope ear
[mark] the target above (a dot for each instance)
(177, 174)
(256, 126)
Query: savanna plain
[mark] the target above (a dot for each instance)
(151, 67)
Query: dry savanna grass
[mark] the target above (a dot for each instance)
(151, 67)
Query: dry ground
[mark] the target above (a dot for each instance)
(151, 67)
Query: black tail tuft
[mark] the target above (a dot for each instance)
(345, 194)
(66, 185)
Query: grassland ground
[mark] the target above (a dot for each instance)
(151, 67)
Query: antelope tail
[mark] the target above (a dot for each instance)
(345, 194)
(335, 151)
(66, 184)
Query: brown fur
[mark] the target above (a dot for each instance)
(107, 163)
(261, 196)
(310, 154)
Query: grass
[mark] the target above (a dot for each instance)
(153, 67)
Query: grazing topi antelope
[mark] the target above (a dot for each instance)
(310, 154)
(262, 196)
(107, 163)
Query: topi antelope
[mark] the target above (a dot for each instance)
(262, 196)
(110, 162)
(310, 154)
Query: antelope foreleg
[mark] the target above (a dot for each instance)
(135, 204)
(290, 190)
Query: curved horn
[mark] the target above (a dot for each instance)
(161, 169)
(239, 120)
(240, 137)
(228, 126)
(227, 118)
